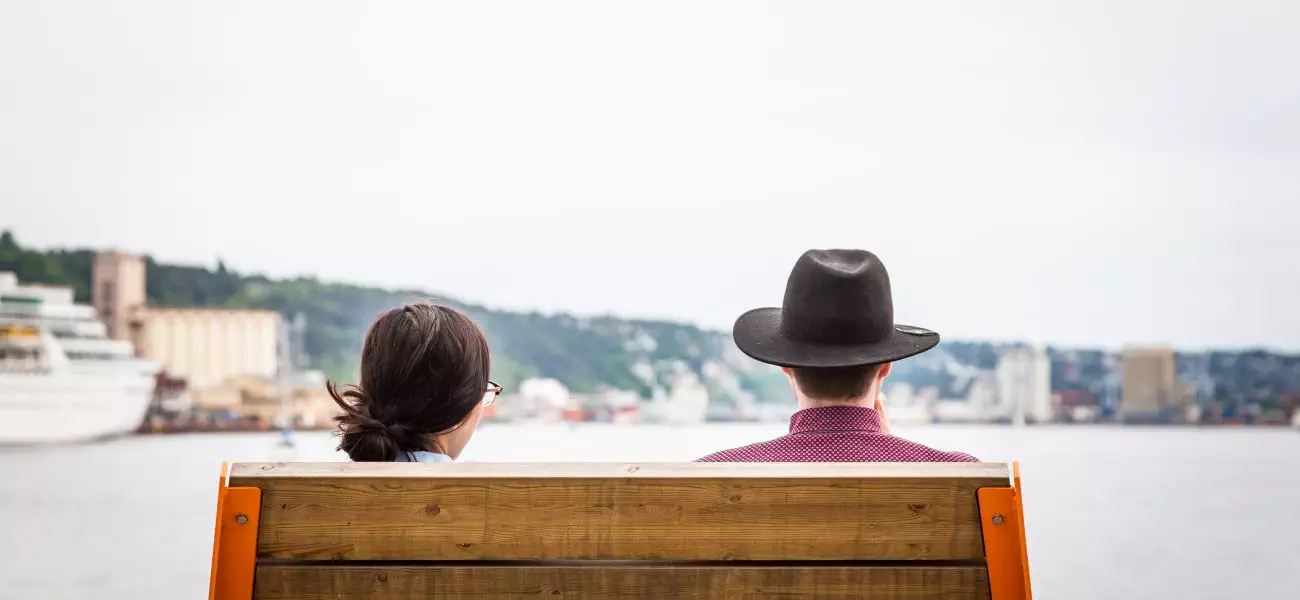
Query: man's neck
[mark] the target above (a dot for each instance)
(863, 402)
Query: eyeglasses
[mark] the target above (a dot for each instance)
(490, 396)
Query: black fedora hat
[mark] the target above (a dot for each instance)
(838, 312)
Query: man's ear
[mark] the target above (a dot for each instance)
(794, 385)
(884, 370)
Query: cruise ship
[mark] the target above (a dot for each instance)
(61, 379)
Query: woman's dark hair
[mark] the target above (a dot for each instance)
(424, 368)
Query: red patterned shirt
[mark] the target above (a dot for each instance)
(836, 434)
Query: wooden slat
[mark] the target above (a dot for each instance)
(285, 582)
(573, 512)
(240, 473)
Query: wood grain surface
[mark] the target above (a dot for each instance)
(817, 511)
(300, 582)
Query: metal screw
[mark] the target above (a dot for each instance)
(241, 518)
(997, 519)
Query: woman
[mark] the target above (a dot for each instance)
(424, 383)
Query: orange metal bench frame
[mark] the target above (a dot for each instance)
(234, 542)
(1002, 519)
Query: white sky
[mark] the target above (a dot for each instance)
(1081, 173)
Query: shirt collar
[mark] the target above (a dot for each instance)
(835, 418)
(422, 456)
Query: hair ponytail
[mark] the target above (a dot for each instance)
(424, 370)
(363, 437)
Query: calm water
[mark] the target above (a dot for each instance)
(1112, 513)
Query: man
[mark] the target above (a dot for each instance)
(835, 337)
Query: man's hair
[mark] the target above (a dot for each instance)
(834, 383)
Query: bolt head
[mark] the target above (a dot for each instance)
(241, 518)
(997, 519)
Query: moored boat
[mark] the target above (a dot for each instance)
(61, 378)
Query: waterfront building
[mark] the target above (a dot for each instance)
(117, 290)
(1148, 386)
(1024, 383)
(204, 346)
(208, 346)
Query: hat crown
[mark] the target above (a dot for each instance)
(838, 297)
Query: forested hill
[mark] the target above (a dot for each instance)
(585, 353)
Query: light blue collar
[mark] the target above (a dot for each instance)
(422, 456)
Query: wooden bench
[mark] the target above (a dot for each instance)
(564, 531)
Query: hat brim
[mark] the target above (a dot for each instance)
(758, 334)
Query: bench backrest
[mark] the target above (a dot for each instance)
(421, 530)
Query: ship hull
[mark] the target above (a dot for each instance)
(66, 408)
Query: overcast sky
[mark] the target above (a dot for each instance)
(1098, 173)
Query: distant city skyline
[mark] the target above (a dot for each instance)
(1115, 349)
(1045, 173)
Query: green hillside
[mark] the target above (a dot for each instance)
(586, 353)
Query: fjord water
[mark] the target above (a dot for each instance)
(1112, 512)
